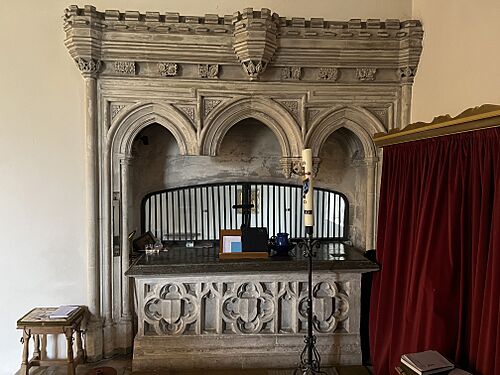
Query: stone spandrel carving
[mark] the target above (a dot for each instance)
(209, 105)
(167, 69)
(189, 111)
(208, 71)
(328, 74)
(88, 66)
(125, 67)
(291, 106)
(366, 74)
(115, 109)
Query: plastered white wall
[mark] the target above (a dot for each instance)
(42, 215)
(459, 67)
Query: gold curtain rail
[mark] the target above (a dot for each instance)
(477, 118)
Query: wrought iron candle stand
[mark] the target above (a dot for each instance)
(310, 359)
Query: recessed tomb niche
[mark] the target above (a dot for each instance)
(249, 150)
(342, 169)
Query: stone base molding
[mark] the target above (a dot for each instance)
(244, 321)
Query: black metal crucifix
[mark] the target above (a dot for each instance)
(246, 205)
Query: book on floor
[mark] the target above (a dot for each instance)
(408, 371)
(425, 363)
(63, 312)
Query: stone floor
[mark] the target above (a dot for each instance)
(123, 366)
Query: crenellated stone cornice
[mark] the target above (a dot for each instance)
(252, 44)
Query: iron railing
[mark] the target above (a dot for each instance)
(199, 212)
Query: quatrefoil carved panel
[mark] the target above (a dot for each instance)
(172, 310)
(248, 309)
(330, 306)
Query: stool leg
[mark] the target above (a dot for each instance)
(36, 352)
(69, 346)
(79, 347)
(25, 368)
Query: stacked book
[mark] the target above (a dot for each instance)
(429, 362)
(64, 312)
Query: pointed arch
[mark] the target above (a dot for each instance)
(267, 111)
(359, 121)
(127, 125)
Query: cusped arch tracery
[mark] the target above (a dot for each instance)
(267, 111)
(359, 121)
(129, 123)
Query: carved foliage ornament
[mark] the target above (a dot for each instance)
(209, 105)
(366, 74)
(125, 67)
(254, 69)
(115, 109)
(291, 106)
(208, 71)
(88, 66)
(167, 69)
(291, 72)
(328, 74)
(407, 73)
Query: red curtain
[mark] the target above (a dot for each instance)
(439, 250)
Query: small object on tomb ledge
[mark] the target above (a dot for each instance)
(279, 251)
(102, 371)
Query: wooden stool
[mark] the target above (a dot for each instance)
(36, 323)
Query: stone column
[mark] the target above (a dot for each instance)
(90, 69)
(371, 201)
(107, 256)
(126, 317)
(407, 75)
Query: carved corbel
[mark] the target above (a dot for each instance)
(407, 74)
(293, 166)
(88, 67)
(255, 40)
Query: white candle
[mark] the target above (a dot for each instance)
(307, 188)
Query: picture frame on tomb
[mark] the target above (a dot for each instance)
(230, 246)
(140, 243)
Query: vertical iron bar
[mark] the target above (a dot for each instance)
(196, 217)
(335, 233)
(213, 211)
(261, 205)
(231, 206)
(290, 210)
(190, 214)
(150, 213)
(268, 203)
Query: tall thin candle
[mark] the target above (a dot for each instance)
(307, 189)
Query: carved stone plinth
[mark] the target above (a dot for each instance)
(229, 320)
